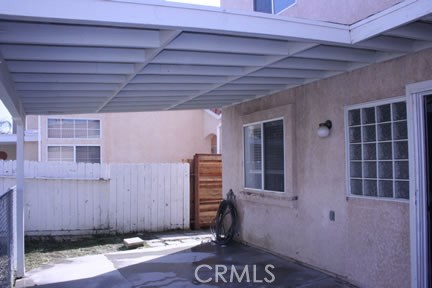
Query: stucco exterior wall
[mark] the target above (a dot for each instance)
(170, 136)
(368, 243)
(337, 11)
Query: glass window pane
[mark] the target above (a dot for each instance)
(94, 124)
(81, 124)
(369, 133)
(385, 189)
(368, 115)
(385, 170)
(93, 133)
(356, 169)
(355, 135)
(274, 156)
(67, 133)
(401, 170)
(67, 124)
(400, 150)
(280, 5)
(384, 132)
(385, 151)
(253, 156)
(354, 117)
(263, 6)
(402, 189)
(88, 154)
(54, 133)
(399, 111)
(400, 130)
(370, 170)
(67, 153)
(54, 123)
(80, 133)
(369, 151)
(54, 153)
(383, 113)
(370, 188)
(356, 187)
(355, 152)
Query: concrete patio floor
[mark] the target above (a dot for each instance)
(174, 266)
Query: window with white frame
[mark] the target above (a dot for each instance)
(378, 150)
(264, 167)
(272, 6)
(73, 128)
(85, 154)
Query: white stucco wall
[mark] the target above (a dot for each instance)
(368, 244)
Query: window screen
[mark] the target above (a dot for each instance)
(88, 154)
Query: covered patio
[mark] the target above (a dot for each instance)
(91, 56)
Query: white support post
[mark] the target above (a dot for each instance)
(20, 200)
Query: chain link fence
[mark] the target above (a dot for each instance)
(7, 238)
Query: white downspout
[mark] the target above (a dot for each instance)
(39, 139)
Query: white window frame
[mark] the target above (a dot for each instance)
(347, 149)
(262, 155)
(74, 151)
(73, 118)
(273, 7)
(415, 94)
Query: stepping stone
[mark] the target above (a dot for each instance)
(131, 243)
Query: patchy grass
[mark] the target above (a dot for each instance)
(45, 250)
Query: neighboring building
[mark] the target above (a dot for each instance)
(136, 137)
(337, 11)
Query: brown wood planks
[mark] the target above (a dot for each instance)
(208, 188)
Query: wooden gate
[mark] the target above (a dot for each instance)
(208, 188)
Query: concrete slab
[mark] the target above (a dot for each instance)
(134, 242)
(181, 266)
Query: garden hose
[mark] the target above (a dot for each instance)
(224, 225)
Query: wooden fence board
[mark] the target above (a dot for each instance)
(88, 198)
(208, 188)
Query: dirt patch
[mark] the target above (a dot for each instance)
(45, 250)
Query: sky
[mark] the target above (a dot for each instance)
(4, 113)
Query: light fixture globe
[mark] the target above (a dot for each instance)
(324, 129)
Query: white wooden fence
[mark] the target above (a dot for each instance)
(70, 198)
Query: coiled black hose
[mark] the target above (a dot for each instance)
(224, 225)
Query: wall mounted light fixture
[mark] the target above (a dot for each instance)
(324, 129)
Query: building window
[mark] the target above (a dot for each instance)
(79, 154)
(264, 156)
(377, 148)
(272, 6)
(61, 153)
(73, 128)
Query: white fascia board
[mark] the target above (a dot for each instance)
(169, 16)
(8, 94)
(400, 14)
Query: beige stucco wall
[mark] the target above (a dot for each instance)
(369, 241)
(337, 11)
(170, 136)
